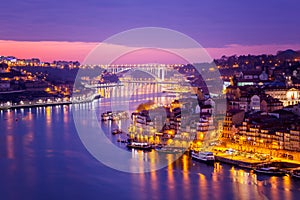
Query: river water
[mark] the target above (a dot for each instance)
(42, 157)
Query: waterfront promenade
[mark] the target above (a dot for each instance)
(28, 105)
(249, 159)
(43, 103)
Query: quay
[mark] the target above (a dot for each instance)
(48, 103)
(250, 163)
(238, 161)
(35, 105)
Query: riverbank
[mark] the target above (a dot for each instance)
(250, 163)
(48, 103)
(237, 161)
(34, 105)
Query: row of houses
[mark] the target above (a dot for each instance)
(277, 130)
(16, 80)
(268, 137)
(261, 99)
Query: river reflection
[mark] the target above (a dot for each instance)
(42, 157)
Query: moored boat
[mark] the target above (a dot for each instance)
(246, 166)
(170, 150)
(296, 173)
(269, 170)
(121, 140)
(204, 156)
(140, 145)
(104, 117)
(115, 117)
(117, 131)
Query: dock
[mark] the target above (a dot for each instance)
(238, 161)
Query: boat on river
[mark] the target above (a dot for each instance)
(203, 156)
(296, 173)
(268, 169)
(117, 131)
(104, 117)
(171, 150)
(140, 145)
(114, 116)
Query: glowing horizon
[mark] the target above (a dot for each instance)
(49, 51)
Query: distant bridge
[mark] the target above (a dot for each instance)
(158, 71)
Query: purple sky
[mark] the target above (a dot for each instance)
(214, 24)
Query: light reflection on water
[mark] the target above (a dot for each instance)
(43, 158)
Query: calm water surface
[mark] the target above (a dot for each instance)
(42, 157)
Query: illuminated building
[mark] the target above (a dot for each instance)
(271, 132)
(285, 95)
(232, 118)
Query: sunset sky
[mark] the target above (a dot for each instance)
(69, 30)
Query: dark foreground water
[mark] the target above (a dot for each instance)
(42, 157)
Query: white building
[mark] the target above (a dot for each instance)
(255, 103)
(286, 96)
